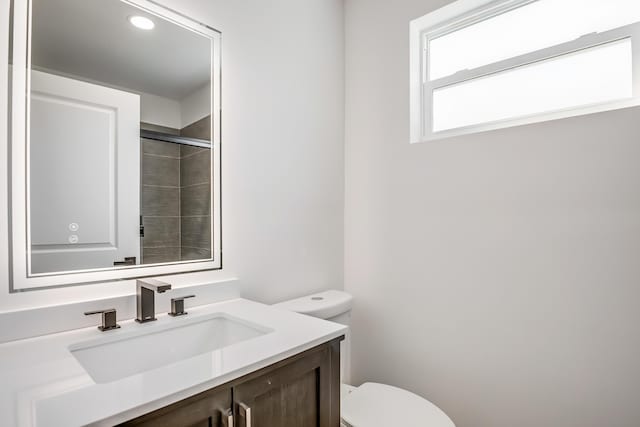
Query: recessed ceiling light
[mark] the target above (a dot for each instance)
(141, 22)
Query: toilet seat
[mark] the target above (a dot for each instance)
(381, 405)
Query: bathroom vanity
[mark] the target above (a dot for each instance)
(235, 363)
(301, 391)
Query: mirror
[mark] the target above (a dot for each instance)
(122, 138)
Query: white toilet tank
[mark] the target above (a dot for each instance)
(334, 306)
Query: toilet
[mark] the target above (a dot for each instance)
(371, 404)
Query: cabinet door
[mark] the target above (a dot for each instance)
(209, 409)
(303, 392)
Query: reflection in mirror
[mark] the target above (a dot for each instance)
(119, 138)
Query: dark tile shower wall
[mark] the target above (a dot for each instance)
(176, 197)
(195, 193)
(160, 201)
(200, 129)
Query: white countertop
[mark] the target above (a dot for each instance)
(43, 385)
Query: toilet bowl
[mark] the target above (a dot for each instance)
(371, 404)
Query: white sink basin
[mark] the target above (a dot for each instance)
(145, 347)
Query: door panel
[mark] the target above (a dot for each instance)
(302, 393)
(292, 404)
(84, 169)
(208, 409)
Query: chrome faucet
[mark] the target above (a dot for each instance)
(145, 298)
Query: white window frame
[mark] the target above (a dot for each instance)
(464, 13)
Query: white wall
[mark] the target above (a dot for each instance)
(283, 151)
(160, 111)
(496, 274)
(168, 112)
(283, 142)
(196, 106)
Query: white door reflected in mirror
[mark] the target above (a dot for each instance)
(85, 163)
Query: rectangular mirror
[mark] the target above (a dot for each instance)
(116, 143)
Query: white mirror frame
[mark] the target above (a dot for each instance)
(19, 251)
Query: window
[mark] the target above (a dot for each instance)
(478, 65)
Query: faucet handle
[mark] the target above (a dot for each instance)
(108, 318)
(177, 306)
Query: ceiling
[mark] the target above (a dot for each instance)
(93, 39)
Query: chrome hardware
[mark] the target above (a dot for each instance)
(177, 306)
(130, 260)
(145, 298)
(245, 410)
(108, 318)
(227, 418)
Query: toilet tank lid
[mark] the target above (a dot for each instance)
(324, 305)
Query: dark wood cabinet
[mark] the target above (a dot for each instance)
(209, 409)
(301, 391)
